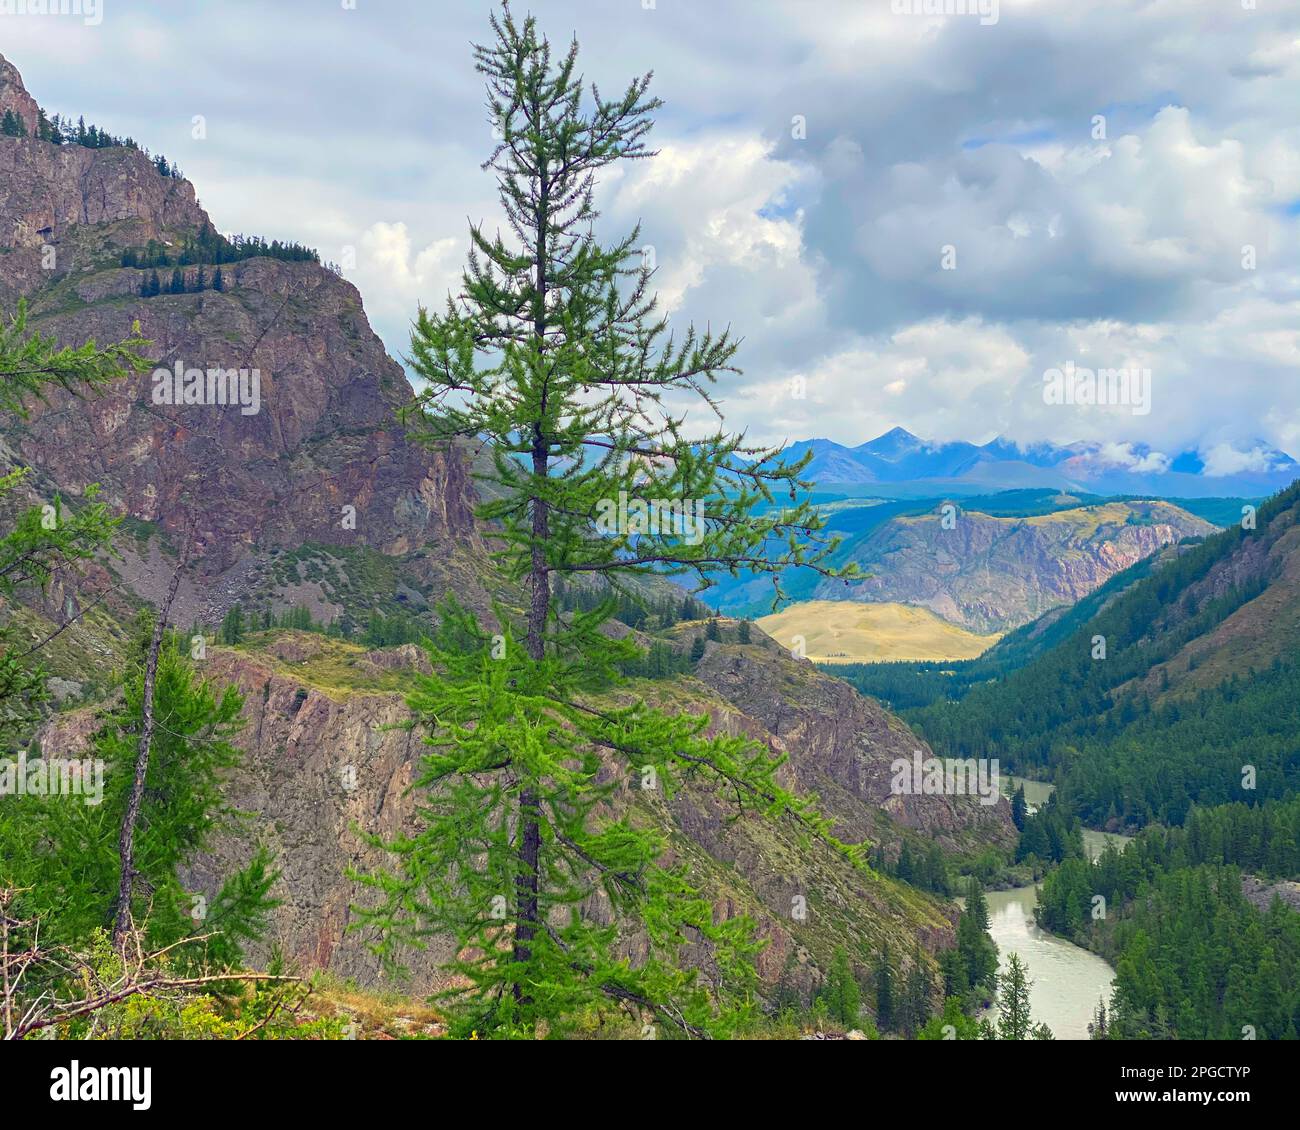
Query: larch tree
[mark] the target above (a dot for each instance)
(1014, 1019)
(556, 358)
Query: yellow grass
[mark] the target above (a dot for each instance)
(846, 631)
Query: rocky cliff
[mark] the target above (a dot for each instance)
(991, 574)
(322, 459)
(14, 96)
(327, 760)
(841, 746)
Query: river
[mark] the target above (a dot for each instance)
(1067, 981)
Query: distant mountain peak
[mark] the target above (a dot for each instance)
(1255, 468)
(895, 442)
(897, 433)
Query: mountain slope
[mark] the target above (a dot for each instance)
(989, 574)
(326, 759)
(1182, 688)
(846, 631)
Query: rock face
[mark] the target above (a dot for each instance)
(992, 574)
(327, 763)
(843, 747)
(322, 459)
(14, 96)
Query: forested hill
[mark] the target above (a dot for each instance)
(1184, 688)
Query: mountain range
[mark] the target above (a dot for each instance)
(899, 464)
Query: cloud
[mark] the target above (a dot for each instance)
(396, 278)
(1122, 455)
(1223, 459)
(1117, 183)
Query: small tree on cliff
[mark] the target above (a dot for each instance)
(232, 627)
(555, 354)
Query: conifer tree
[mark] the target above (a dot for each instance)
(976, 955)
(915, 1005)
(1098, 1027)
(72, 870)
(1019, 808)
(555, 354)
(977, 906)
(232, 627)
(1014, 1021)
(841, 992)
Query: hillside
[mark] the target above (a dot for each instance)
(1162, 697)
(321, 712)
(988, 564)
(990, 573)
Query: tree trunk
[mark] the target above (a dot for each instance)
(528, 877)
(126, 841)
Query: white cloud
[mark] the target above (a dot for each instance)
(1223, 459)
(1122, 455)
(395, 278)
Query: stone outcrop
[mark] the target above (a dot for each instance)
(842, 747)
(14, 96)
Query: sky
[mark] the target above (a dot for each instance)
(910, 218)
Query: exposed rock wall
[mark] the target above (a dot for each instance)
(325, 435)
(991, 574)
